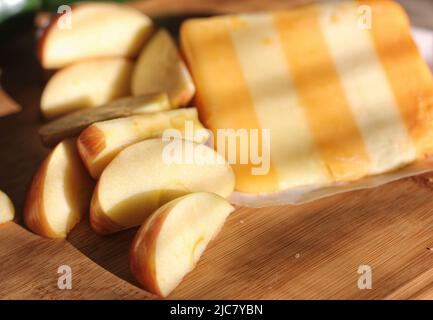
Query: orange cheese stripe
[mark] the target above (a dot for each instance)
(409, 77)
(223, 99)
(320, 92)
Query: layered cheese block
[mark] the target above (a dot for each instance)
(341, 87)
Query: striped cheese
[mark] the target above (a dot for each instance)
(341, 99)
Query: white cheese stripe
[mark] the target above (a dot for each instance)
(293, 152)
(370, 97)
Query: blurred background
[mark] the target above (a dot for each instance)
(18, 13)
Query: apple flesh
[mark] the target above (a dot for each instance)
(160, 69)
(7, 210)
(97, 30)
(60, 193)
(86, 84)
(102, 141)
(73, 123)
(169, 244)
(143, 177)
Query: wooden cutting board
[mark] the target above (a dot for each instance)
(287, 252)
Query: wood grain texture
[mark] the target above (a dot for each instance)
(29, 266)
(306, 252)
(309, 251)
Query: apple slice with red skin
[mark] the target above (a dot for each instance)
(60, 193)
(160, 68)
(102, 141)
(86, 84)
(97, 30)
(144, 176)
(169, 244)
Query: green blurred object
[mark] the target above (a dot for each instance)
(10, 8)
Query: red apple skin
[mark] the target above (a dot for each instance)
(188, 94)
(89, 144)
(142, 253)
(43, 38)
(184, 98)
(99, 222)
(34, 216)
(34, 211)
(45, 32)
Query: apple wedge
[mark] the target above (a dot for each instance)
(85, 85)
(169, 244)
(102, 141)
(7, 210)
(160, 69)
(60, 193)
(96, 30)
(73, 123)
(150, 173)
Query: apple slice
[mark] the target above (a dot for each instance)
(73, 123)
(150, 173)
(161, 69)
(60, 193)
(169, 244)
(102, 141)
(85, 85)
(7, 210)
(97, 30)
